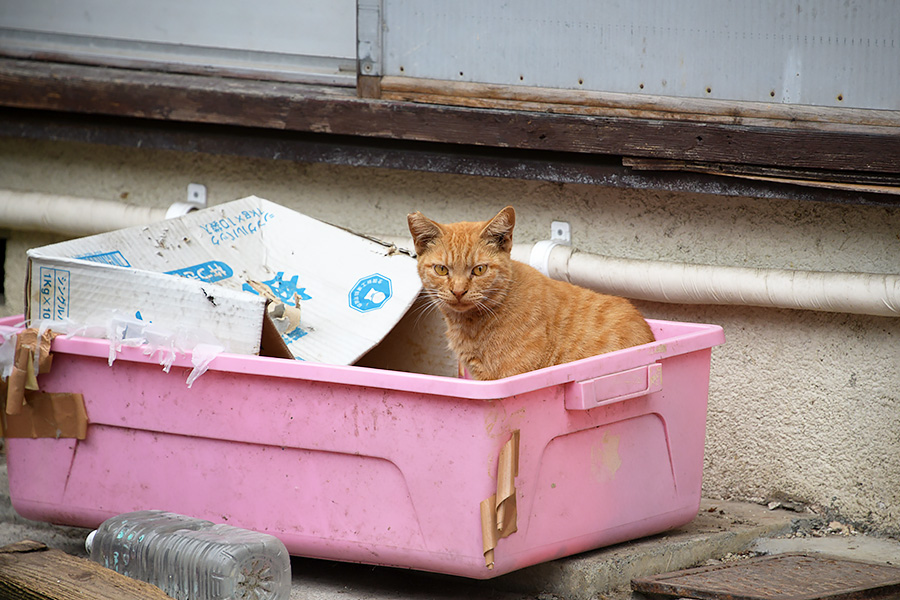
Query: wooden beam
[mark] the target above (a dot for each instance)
(873, 183)
(32, 571)
(860, 183)
(587, 102)
(320, 109)
(297, 146)
(368, 86)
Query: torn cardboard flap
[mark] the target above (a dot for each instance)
(284, 317)
(499, 512)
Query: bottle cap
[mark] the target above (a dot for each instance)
(89, 542)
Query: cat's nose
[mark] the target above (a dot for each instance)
(459, 295)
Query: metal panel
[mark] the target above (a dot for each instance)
(369, 38)
(794, 576)
(819, 52)
(298, 39)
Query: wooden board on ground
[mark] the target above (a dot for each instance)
(32, 571)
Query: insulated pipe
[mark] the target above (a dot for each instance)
(679, 283)
(70, 215)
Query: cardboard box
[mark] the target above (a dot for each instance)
(211, 271)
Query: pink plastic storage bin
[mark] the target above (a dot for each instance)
(381, 467)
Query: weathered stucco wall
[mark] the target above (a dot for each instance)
(803, 405)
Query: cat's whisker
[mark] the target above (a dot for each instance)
(431, 304)
(428, 311)
(484, 308)
(493, 296)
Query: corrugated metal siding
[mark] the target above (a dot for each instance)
(816, 52)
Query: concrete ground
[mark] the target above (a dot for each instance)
(721, 531)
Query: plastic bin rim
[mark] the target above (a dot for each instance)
(693, 337)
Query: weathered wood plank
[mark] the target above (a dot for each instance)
(822, 180)
(32, 571)
(639, 111)
(882, 181)
(297, 107)
(863, 188)
(368, 86)
(663, 107)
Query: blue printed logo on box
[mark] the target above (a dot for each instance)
(114, 258)
(54, 293)
(211, 271)
(370, 293)
(286, 290)
(244, 224)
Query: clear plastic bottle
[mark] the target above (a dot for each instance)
(193, 559)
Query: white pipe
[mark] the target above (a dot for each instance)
(70, 215)
(679, 283)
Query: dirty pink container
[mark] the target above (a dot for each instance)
(381, 467)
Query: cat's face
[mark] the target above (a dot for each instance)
(464, 266)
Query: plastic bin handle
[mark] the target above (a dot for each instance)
(609, 389)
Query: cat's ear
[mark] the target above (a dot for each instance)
(499, 230)
(424, 231)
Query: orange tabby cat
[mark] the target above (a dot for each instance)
(504, 317)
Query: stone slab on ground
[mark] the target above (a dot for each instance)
(721, 528)
(857, 547)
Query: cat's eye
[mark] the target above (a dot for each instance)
(479, 270)
(441, 269)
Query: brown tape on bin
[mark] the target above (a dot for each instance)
(30, 413)
(45, 415)
(23, 376)
(499, 513)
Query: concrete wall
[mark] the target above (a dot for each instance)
(803, 405)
